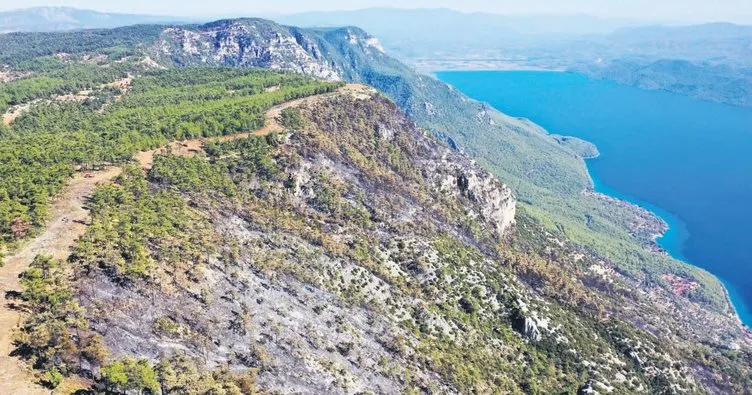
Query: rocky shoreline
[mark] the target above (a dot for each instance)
(646, 226)
(649, 228)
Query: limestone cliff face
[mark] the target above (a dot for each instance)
(260, 43)
(242, 43)
(495, 202)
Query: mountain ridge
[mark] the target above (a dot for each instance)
(554, 283)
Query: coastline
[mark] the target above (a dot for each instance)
(432, 66)
(741, 309)
(672, 241)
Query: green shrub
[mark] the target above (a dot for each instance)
(53, 378)
(130, 375)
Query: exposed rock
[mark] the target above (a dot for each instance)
(243, 43)
(526, 326)
(258, 43)
(497, 203)
(587, 389)
(530, 330)
(453, 174)
(636, 358)
(8, 75)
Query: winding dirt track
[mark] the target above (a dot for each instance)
(68, 221)
(271, 125)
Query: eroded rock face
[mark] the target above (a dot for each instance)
(530, 330)
(330, 54)
(526, 326)
(493, 201)
(244, 43)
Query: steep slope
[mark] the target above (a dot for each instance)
(249, 43)
(320, 216)
(309, 244)
(547, 174)
(352, 253)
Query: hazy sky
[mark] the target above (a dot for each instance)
(667, 10)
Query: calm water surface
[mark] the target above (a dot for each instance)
(687, 160)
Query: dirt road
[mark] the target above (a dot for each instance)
(67, 222)
(271, 125)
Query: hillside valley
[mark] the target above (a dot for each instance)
(313, 216)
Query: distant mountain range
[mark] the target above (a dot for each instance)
(428, 32)
(52, 19)
(405, 32)
(713, 43)
(709, 62)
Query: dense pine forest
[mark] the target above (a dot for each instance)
(73, 117)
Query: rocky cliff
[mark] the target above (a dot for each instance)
(259, 43)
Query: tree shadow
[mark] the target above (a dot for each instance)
(21, 351)
(14, 302)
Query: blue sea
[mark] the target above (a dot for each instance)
(688, 161)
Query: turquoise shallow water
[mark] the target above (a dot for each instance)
(688, 161)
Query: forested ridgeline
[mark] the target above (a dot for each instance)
(18, 48)
(324, 258)
(96, 123)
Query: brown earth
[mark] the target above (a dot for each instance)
(680, 286)
(68, 216)
(124, 84)
(8, 76)
(14, 113)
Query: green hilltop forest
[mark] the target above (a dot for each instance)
(46, 145)
(400, 239)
